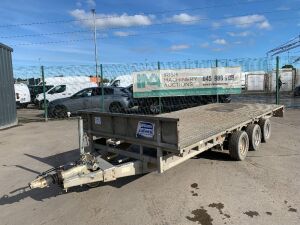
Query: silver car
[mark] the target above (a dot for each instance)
(115, 100)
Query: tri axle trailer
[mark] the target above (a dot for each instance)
(116, 145)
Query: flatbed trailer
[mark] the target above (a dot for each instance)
(116, 145)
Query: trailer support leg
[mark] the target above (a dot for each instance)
(160, 160)
(80, 135)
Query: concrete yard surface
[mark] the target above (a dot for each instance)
(209, 189)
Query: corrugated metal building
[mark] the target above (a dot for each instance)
(8, 113)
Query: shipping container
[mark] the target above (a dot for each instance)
(287, 77)
(8, 114)
(256, 81)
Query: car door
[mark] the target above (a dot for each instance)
(96, 98)
(80, 101)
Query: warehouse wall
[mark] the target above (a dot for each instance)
(8, 114)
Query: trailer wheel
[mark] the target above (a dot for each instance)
(94, 184)
(238, 145)
(265, 126)
(254, 134)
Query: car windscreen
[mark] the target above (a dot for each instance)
(57, 89)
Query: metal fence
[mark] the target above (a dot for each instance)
(258, 77)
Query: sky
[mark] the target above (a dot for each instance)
(61, 32)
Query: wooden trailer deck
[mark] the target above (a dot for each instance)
(203, 122)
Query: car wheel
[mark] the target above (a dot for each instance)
(116, 107)
(41, 104)
(60, 112)
(24, 106)
(154, 107)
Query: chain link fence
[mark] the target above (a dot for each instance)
(68, 89)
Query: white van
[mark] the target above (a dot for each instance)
(62, 91)
(68, 80)
(122, 81)
(22, 95)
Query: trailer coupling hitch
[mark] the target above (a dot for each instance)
(45, 181)
(51, 176)
(86, 164)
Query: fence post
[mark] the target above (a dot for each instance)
(102, 89)
(159, 98)
(277, 80)
(44, 95)
(217, 85)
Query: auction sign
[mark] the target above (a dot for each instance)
(185, 82)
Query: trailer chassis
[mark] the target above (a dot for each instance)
(107, 156)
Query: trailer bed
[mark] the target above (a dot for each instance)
(176, 131)
(200, 123)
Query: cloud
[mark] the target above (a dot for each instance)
(143, 50)
(220, 41)
(217, 49)
(204, 45)
(91, 3)
(239, 34)
(105, 21)
(238, 42)
(78, 4)
(123, 33)
(216, 24)
(179, 47)
(283, 8)
(264, 25)
(183, 18)
(259, 21)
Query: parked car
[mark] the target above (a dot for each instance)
(22, 95)
(297, 91)
(37, 89)
(115, 100)
(61, 91)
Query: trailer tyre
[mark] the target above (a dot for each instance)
(238, 145)
(94, 184)
(265, 126)
(254, 133)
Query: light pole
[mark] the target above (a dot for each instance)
(95, 45)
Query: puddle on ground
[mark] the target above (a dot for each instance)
(219, 206)
(201, 216)
(251, 213)
(195, 185)
(292, 209)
